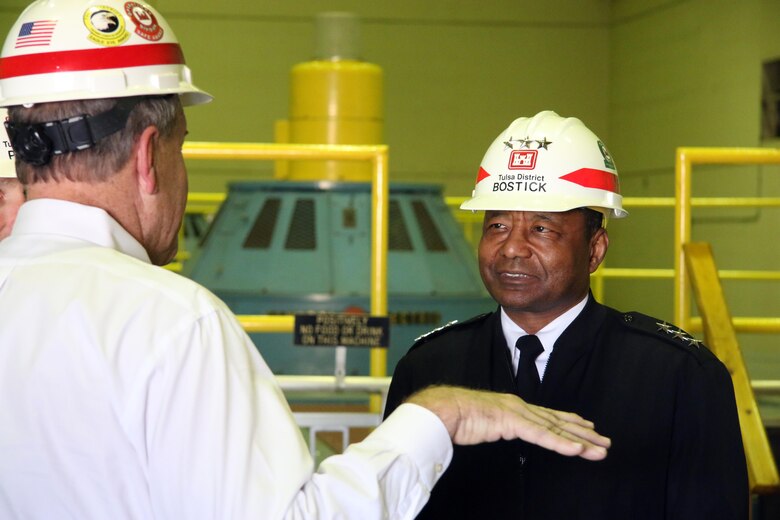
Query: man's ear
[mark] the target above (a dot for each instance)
(145, 157)
(598, 248)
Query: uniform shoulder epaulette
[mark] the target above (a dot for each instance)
(447, 327)
(661, 329)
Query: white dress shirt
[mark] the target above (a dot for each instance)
(548, 335)
(130, 392)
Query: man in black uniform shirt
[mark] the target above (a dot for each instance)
(547, 185)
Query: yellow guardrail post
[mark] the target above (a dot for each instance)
(380, 203)
(682, 231)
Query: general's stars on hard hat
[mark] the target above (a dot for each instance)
(544, 143)
(526, 143)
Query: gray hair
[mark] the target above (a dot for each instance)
(108, 155)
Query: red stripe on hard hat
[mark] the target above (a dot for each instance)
(91, 59)
(590, 178)
(482, 174)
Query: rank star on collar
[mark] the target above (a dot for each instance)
(678, 333)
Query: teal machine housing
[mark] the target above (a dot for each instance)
(280, 247)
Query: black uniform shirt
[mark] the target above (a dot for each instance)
(664, 399)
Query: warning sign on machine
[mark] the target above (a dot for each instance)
(338, 329)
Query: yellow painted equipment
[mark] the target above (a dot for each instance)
(335, 99)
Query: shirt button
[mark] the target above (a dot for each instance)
(439, 468)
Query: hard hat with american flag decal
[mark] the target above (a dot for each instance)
(547, 163)
(62, 50)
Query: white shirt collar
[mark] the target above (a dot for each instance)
(77, 221)
(548, 335)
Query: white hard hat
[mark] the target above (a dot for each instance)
(61, 50)
(547, 163)
(7, 162)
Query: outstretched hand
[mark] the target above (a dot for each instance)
(476, 416)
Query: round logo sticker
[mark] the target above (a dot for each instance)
(146, 25)
(106, 25)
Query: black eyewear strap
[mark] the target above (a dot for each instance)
(36, 143)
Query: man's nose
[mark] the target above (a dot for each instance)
(517, 244)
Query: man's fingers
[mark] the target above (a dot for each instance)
(473, 417)
(588, 434)
(564, 432)
(572, 423)
(565, 416)
(556, 438)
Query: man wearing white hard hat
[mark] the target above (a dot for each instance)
(11, 190)
(127, 391)
(547, 185)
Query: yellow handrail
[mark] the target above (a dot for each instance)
(684, 161)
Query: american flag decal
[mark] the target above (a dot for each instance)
(35, 34)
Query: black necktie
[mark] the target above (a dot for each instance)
(527, 378)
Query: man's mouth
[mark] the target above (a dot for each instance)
(514, 275)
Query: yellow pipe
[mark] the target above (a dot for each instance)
(625, 272)
(275, 151)
(733, 274)
(707, 155)
(205, 198)
(262, 323)
(380, 202)
(725, 202)
(750, 324)
(649, 202)
(682, 234)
